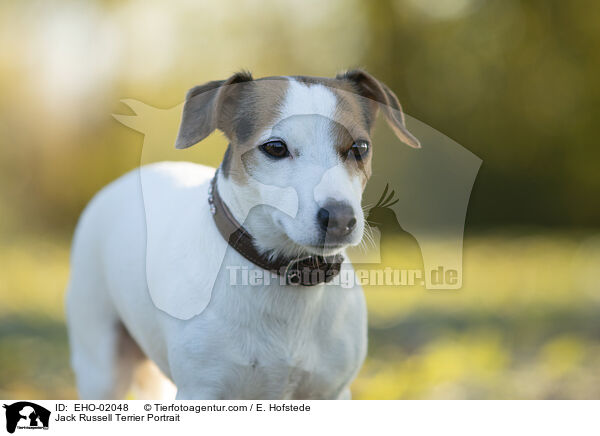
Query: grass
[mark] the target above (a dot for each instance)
(524, 325)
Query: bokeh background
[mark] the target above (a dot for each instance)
(515, 82)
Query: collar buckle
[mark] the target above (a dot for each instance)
(311, 270)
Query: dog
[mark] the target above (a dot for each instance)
(300, 337)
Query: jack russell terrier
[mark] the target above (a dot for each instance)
(300, 337)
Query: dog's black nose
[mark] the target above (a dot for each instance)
(336, 218)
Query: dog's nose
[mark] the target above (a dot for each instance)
(336, 218)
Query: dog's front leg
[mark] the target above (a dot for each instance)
(198, 393)
(199, 374)
(200, 384)
(345, 395)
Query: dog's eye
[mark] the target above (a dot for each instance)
(359, 150)
(275, 149)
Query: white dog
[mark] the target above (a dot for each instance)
(135, 284)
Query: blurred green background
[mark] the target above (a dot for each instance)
(515, 82)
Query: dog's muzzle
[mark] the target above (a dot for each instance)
(307, 271)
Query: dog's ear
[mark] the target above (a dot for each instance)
(371, 88)
(208, 107)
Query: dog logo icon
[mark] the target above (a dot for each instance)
(26, 415)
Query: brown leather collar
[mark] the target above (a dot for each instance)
(307, 271)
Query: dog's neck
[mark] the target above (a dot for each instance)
(268, 237)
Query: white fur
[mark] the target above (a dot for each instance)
(250, 342)
(149, 276)
(302, 99)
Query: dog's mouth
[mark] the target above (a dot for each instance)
(319, 244)
(318, 248)
(326, 249)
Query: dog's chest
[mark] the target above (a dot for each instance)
(294, 372)
(295, 348)
(299, 368)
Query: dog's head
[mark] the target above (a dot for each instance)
(310, 134)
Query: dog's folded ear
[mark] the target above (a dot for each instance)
(208, 107)
(379, 94)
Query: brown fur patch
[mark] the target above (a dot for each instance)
(350, 118)
(258, 106)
